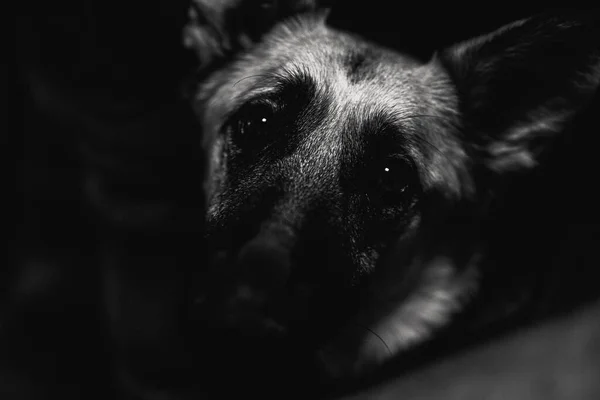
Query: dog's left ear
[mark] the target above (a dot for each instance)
(218, 29)
(519, 86)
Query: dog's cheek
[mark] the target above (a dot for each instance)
(216, 167)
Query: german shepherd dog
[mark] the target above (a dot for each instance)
(365, 208)
(359, 200)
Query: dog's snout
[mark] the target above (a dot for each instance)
(263, 267)
(264, 263)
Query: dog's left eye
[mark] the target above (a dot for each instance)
(253, 121)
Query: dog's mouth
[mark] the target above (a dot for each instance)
(295, 315)
(253, 338)
(267, 296)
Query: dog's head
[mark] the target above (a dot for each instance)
(345, 173)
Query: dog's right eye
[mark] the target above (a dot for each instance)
(390, 183)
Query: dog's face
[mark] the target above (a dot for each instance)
(320, 160)
(345, 178)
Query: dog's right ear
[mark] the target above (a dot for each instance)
(220, 28)
(520, 86)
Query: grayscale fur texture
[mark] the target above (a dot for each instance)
(343, 174)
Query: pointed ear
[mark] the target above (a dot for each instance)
(220, 28)
(520, 86)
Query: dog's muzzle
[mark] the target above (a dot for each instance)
(259, 274)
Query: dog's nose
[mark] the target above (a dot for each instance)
(263, 268)
(264, 262)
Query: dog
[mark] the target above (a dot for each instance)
(362, 203)
(408, 206)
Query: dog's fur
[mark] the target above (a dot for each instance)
(350, 184)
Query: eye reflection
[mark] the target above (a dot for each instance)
(253, 120)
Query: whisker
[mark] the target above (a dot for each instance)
(377, 336)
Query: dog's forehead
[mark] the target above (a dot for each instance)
(356, 90)
(350, 70)
(356, 71)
